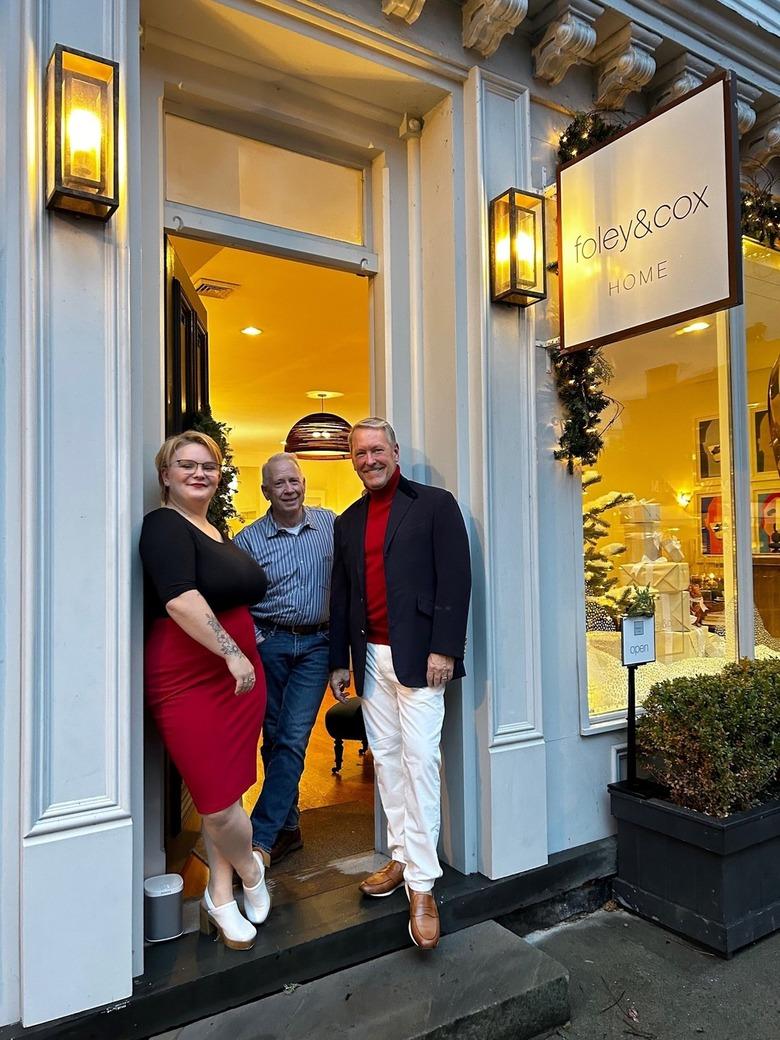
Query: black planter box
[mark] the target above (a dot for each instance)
(714, 880)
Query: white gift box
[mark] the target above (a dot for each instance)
(678, 646)
(641, 512)
(642, 546)
(660, 575)
(673, 612)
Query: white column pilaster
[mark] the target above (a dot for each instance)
(511, 757)
(76, 553)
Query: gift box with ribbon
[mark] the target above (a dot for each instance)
(661, 575)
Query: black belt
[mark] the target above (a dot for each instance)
(301, 630)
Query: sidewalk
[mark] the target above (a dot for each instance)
(630, 978)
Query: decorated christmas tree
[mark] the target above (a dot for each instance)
(600, 577)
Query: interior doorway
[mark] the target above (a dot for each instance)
(275, 333)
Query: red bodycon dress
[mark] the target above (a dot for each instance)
(210, 732)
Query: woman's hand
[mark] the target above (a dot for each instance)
(243, 672)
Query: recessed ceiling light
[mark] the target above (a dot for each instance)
(250, 330)
(696, 326)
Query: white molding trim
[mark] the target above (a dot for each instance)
(527, 681)
(409, 10)
(569, 37)
(625, 64)
(268, 238)
(487, 22)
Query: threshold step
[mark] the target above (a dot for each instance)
(482, 983)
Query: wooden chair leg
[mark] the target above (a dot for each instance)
(338, 749)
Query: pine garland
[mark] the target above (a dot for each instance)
(760, 215)
(579, 380)
(221, 508)
(586, 130)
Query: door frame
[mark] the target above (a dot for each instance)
(414, 183)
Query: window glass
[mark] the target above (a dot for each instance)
(762, 336)
(660, 514)
(227, 173)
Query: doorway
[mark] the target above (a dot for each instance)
(275, 334)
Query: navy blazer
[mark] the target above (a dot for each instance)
(428, 578)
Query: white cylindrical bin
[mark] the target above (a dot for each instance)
(162, 907)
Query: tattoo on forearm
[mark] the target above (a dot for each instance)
(227, 645)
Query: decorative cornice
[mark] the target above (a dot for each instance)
(569, 37)
(747, 95)
(409, 10)
(679, 77)
(625, 64)
(487, 22)
(762, 143)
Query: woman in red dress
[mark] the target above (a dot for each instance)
(203, 678)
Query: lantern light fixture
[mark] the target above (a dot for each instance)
(82, 130)
(320, 435)
(518, 272)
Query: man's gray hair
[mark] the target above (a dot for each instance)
(280, 456)
(373, 422)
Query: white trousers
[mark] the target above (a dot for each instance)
(403, 726)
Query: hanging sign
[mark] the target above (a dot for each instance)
(648, 223)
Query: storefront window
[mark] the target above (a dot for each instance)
(762, 335)
(657, 512)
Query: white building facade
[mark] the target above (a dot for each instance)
(443, 105)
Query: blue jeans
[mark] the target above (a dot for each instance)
(296, 676)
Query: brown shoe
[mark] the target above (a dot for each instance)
(423, 919)
(385, 881)
(286, 842)
(265, 855)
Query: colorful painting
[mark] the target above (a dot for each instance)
(708, 448)
(711, 522)
(766, 509)
(763, 456)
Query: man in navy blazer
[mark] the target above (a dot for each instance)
(399, 603)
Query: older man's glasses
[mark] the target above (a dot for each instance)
(209, 468)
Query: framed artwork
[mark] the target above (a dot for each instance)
(711, 524)
(767, 513)
(762, 459)
(707, 434)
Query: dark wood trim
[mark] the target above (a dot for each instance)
(735, 294)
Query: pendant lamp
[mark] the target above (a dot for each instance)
(319, 435)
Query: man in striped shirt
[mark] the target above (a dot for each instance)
(294, 545)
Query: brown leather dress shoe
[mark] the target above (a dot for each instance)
(423, 919)
(286, 842)
(385, 881)
(266, 859)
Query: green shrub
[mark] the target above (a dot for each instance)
(714, 740)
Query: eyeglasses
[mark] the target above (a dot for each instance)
(209, 468)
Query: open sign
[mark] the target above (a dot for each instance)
(638, 640)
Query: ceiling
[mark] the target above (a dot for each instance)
(269, 51)
(315, 324)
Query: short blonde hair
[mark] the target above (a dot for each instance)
(171, 445)
(373, 422)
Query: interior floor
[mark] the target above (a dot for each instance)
(337, 820)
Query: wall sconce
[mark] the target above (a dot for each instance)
(683, 498)
(517, 264)
(82, 129)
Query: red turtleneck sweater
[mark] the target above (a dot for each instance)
(379, 503)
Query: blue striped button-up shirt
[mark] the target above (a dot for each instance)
(297, 566)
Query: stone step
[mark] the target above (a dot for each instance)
(482, 983)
